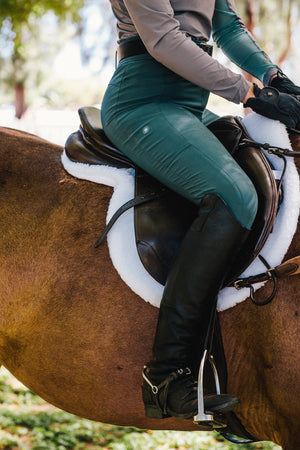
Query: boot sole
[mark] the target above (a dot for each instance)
(224, 407)
(153, 412)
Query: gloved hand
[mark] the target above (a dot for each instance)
(271, 103)
(283, 84)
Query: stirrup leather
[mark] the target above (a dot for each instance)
(207, 420)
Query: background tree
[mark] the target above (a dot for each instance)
(275, 26)
(33, 31)
(22, 42)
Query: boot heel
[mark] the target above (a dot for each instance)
(154, 412)
(152, 409)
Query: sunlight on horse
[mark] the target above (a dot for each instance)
(76, 335)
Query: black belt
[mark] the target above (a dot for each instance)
(136, 47)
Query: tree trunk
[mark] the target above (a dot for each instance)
(250, 23)
(20, 105)
(288, 47)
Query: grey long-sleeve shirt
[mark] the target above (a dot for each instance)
(166, 28)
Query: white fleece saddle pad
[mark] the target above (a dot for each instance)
(121, 238)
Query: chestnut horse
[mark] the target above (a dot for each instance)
(76, 335)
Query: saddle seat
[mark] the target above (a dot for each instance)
(90, 145)
(160, 224)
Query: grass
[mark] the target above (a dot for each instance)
(28, 422)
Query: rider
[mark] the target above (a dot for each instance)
(154, 110)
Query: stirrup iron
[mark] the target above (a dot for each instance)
(207, 420)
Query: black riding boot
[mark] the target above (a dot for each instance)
(188, 302)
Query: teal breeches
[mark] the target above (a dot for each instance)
(158, 119)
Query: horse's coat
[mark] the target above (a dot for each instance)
(75, 334)
(121, 239)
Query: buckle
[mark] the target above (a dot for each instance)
(238, 284)
(207, 48)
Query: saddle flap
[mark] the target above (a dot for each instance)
(255, 164)
(262, 177)
(160, 225)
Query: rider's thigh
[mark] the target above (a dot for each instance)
(173, 145)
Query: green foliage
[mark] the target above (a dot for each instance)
(28, 44)
(27, 422)
(19, 19)
(33, 31)
(19, 11)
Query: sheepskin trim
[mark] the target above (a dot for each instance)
(123, 252)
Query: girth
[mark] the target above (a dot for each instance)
(162, 217)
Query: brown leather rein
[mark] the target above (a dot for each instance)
(287, 268)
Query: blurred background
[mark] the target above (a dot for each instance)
(58, 55)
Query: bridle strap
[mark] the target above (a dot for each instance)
(278, 151)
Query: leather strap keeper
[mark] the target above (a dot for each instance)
(136, 47)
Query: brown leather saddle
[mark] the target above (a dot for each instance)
(161, 216)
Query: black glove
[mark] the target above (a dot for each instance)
(284, 84)
(271, 103)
